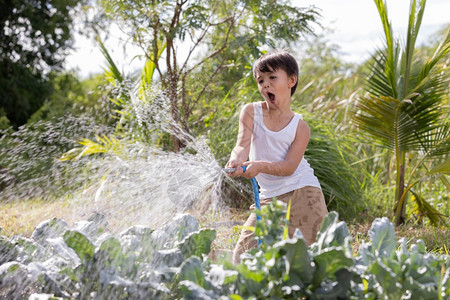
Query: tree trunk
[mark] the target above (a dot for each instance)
(400, 207)
(175, 113)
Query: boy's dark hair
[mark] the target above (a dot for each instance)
(277, 59)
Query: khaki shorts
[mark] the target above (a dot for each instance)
(308, 209)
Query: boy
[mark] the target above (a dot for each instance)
(275, 139)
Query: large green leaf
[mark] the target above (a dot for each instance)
(197, 243)
(387, 279)
(328, 263)
(82, 246)
(338, 289)
(298, 261)
(220, 276)
(333, 234)
(7, 250)
(192, 270)
(192, 291)
(112, 253)
(382, 235)
(445, 285)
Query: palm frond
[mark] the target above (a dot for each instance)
(424, 209)
(415, 20)
(382, 79)
(150, 66)
(403, 107)
(441, 51)
(89, 147)
(112, 72)
(388, 124)
(390, 65)
(443, 168)
(437, 142)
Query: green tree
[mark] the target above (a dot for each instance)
(185, 28)
(34, 38)
(70, 95)
(403, 110)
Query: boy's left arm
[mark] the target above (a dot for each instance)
(290, 163)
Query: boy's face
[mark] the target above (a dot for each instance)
(275, 86)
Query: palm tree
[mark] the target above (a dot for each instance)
(403, 109)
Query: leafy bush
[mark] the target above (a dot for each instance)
(29, 165)
(172, 263)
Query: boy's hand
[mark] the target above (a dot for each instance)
(252, 169)
(234, 164)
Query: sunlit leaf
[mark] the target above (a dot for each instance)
(82, 246)
(382, 235)
(197, 243)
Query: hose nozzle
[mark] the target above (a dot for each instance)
(229, 170)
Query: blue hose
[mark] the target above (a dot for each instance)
(255, 193)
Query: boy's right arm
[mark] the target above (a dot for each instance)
(242, 149)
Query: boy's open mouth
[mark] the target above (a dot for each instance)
(271, 97)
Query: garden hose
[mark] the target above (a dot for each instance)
(255, 192)
(254, 186)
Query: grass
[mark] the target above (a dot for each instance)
(21, 217)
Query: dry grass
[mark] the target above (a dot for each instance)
(21, 217)
(226, 224)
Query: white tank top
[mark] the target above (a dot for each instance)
(273, 146)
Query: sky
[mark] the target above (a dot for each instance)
(356, 29)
